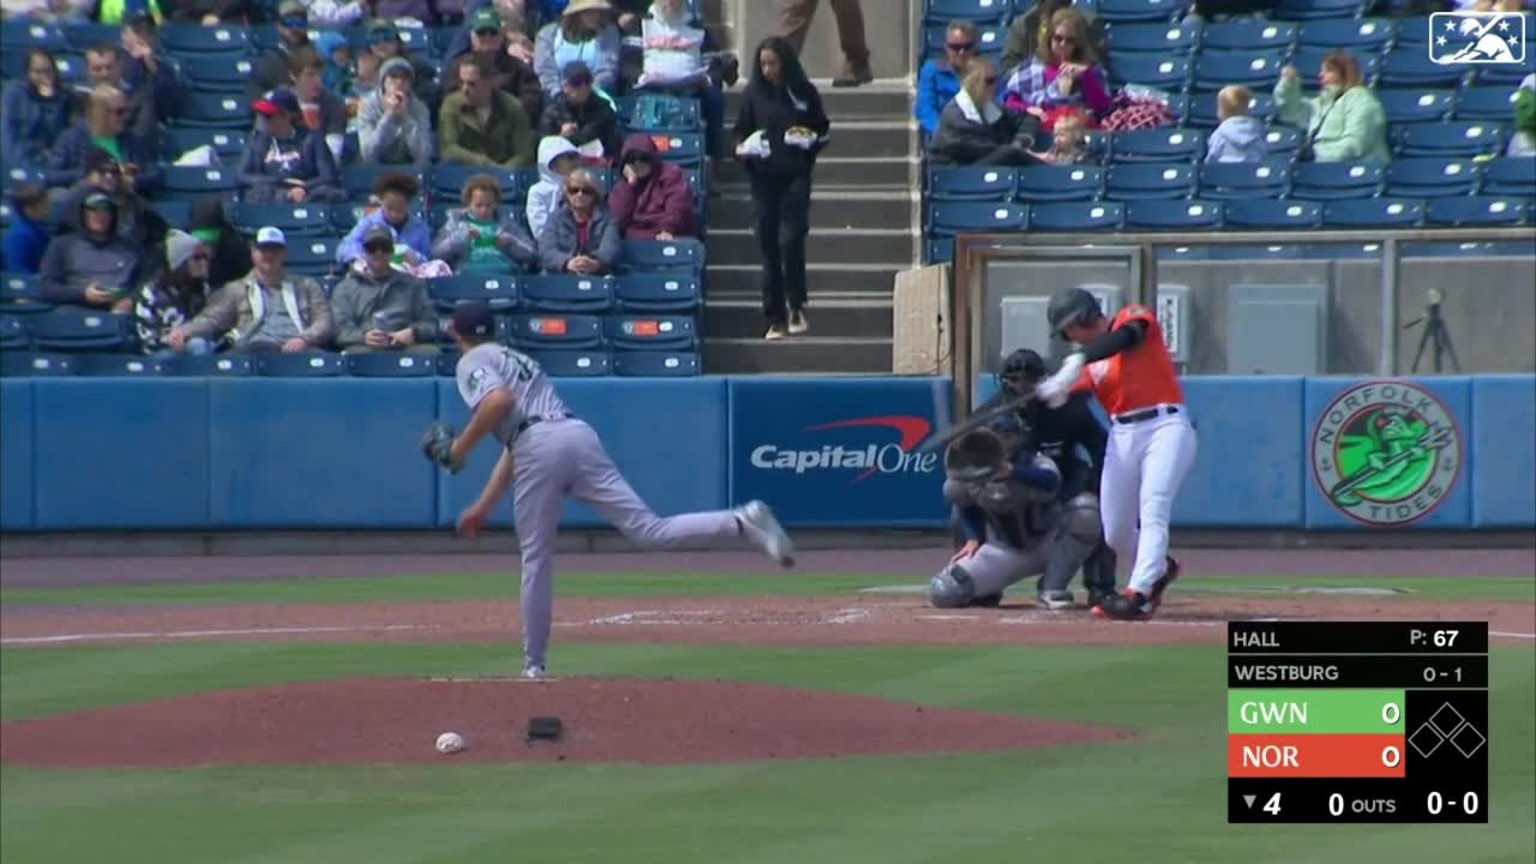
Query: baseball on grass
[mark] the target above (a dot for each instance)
(449, 742)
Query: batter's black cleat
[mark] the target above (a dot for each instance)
(1134, 605)
(1170, 574)
(988, 601)
(1097, 596)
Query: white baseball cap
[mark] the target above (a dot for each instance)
(270, 236)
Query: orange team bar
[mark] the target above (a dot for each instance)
(1316, 756)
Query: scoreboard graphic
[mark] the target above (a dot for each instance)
(1357, 722)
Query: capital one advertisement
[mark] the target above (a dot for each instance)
(838, 452)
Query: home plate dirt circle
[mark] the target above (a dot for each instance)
(645, 721)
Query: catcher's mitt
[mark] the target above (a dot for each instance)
(437, 444)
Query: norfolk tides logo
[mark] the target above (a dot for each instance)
(1386, 453)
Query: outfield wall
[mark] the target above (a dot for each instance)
(1276, 453)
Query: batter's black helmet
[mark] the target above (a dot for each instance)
(1072, 306)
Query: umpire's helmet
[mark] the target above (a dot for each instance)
(1022, 367)
(1072, 306)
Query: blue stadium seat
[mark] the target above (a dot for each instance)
(390, 364)
(1410, 66)
(16, 175)
(305, 364)
(500, 292)
(1308, 10)
(188, 182)
(1373, 213)
(209, 366)
(978, 11)
(79, 331)
(447, 363)
(1231, 181)
(18, 35)
(1335, 181)
(573, 364)
(188, 40)
(1202, 109)
(228, 143)
(1162, 40)
(296, 220)
(949, 218)
(1248, 36)
(358, 179)
(1510, 175)
(217, 74)
(656, 364)
(213, 111)
(1257, 70)
(1359, 35)
(13, 66)
(581, 332)
(1283, 141)
(1157, 145)
(1431, 178)
(1077, 216)
(1507, 74)
(684, 255)
(657, 293)
(650, 332)
(20, 364)
(1413, 31)
(437, 217)
(1482, 210)
(567, 295)
(1455, 138)
(671, 114)
(177, 212)
(445, 185)
(1149, 181)
(971, 183)
(1416, 105)
(89, 34)
(1165, 73)
(1257, 214)
(1134, 11)
(683, 149)
(13, 334)
(1309, 60)
(21, 293)
(116, 365)
(1486, 103)
(1053, 183)
(312, 256)
(1170, 216)
(938, 250)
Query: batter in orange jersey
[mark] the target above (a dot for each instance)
(1124, 362)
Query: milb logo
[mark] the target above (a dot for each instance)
(867, 458)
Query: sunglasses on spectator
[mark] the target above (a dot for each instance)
(580, 190)
(958, 47)
(487, 31)
(378, 246)
(297, 23)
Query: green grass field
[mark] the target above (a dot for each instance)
(1157, 799)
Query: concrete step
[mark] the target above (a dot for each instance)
(822, 280)
(742, 317)
(797, 354)
(843, 171)
(870, 139)
(890, 248)
(880, 100)
(889, 210)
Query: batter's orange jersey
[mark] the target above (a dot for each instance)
(1139, 377)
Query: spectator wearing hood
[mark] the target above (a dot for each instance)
(266, 311)
(582, 117)
(396, 193)
(581, 237)
(653, 200)
(585, 32)
(557, 159)
(210, 225)
(173, 296)
(488, 39)
(137, 222)
(92, 267)
(27, 238)
(484, 236)
(1239, 138)
(393, 125)
(37, 111)
(379, 308)
(480, 124)
(287, 162)
(274, 65)
(105, 128)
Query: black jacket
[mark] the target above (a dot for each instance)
(1059, 432)
(773, 111)
(595, 121)
(962, 141)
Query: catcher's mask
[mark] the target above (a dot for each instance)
(974, 456)
(1021, 371)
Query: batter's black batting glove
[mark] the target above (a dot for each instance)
(437, 444)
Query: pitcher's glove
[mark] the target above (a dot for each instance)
(437, 444)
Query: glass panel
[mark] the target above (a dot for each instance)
(1015, 292)
(1487, 308)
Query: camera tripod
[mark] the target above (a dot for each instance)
(1436, 333)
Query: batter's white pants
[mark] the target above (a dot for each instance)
(1144, 465)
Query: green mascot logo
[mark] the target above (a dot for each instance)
(1386, 453)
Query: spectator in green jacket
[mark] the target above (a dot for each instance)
(1343, 123)
(482, 124)
(1523, 142)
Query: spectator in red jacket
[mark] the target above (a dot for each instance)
(653, 201)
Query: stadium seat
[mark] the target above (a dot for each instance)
(949, 218)
(1077, 216)
(1450, 139)
(664, 113)
(1256, 253)
(1231, 181)
(1410, 66)
(583, 332)
(1165, 73)
(1373, 213)
(89, 34)
(1486, 103)
(1257, 70)
(971, 183)
(657, 293)
(13, 66)
(1137, 11)
(1166, 216)
(1149, 181)
(1334, 181)
(500, 292)
(312, 256)
(445, 185)
(1431, 178)
(656, 364)
(358, 179)
(1257, 214)
(650, 332)
(18, 364)
(684, 255)
(1202, 112)
(683, 149)
(79, 331)
(230, 144)
(567, 295)
(1416, 105)
(977, 11)
(213, 111)
(1162, 40)
(189, 182)
(13, 334)
(1510, 175)
(305, 364)
(1481, 210)
(177, 212)
(295, 220)
(21, 293)
(1247, 36)
(190, 40)
(1412, 31)
(1308, 60)
(208, 366)
(1053, 183)
(1507, 74)
(19, 35)
(116, 365)
(1283, 142)
(1157, 145)
(390, 364)
(447, 363)
(16, 175)
(1308, 10)
(573, 364)
(939, 250)
(1357, 35)
(217, 74)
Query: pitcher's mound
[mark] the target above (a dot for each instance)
(371, 720)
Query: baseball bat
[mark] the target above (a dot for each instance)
(943, 435)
